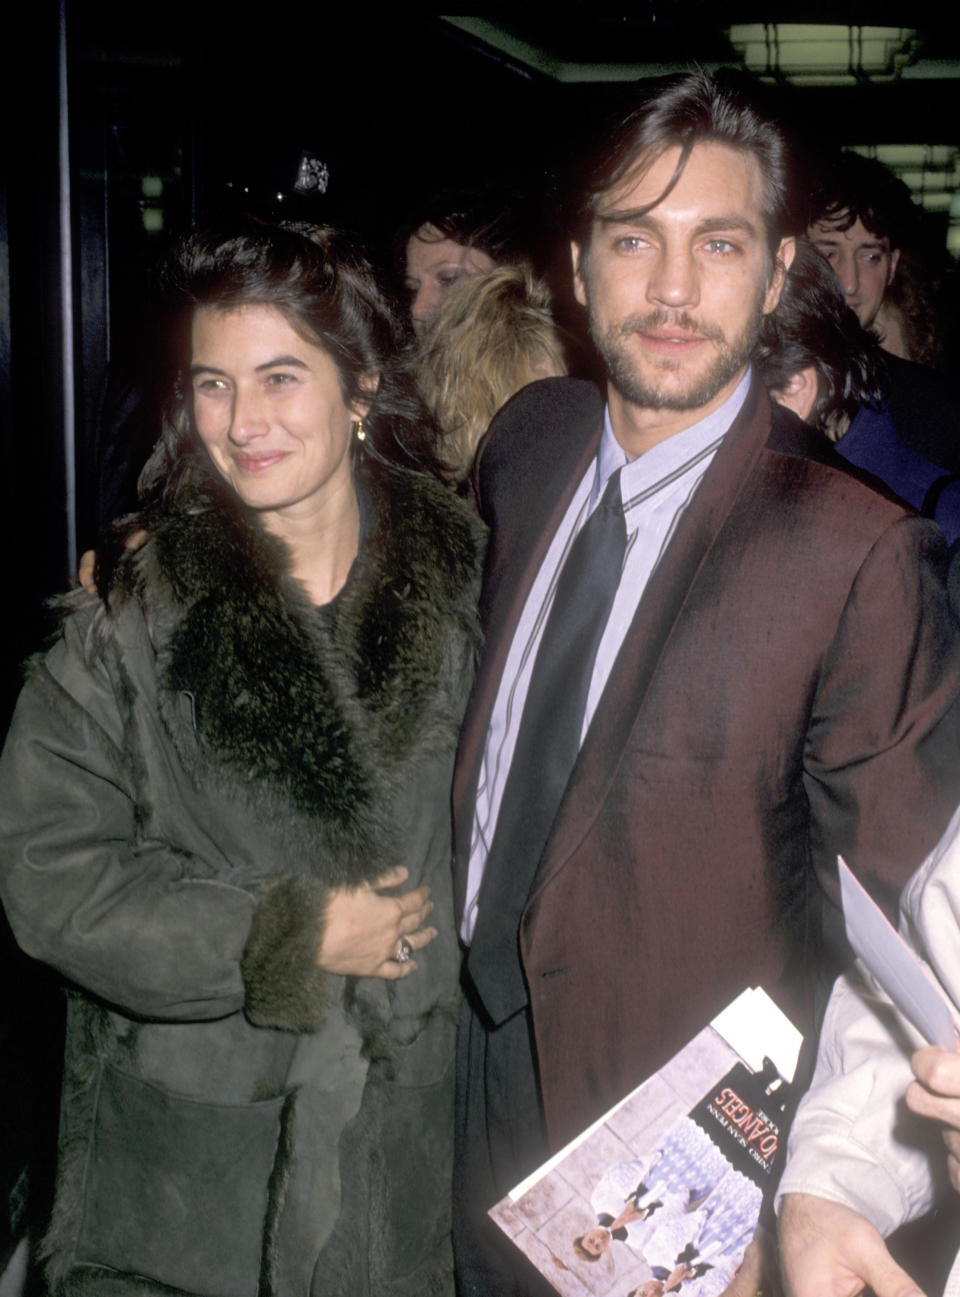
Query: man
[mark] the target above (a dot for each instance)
(816, 359)
(861, 215)
(861, 1161)
(772, 680)
(861, 218)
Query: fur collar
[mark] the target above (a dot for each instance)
(309, 717)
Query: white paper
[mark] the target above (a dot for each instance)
(754, 1027)
(893, 963)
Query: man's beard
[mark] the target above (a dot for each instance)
(623, 367)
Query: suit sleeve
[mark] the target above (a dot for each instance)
(143, 925)
(882, 756)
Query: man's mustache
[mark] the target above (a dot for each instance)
(669, 320)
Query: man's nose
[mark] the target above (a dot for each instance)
(849, 275)
(674, 281)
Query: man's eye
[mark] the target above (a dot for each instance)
(631, 243)
(722, 247)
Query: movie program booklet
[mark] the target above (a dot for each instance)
(663, 1192)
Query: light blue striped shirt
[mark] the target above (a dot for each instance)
(655, 488)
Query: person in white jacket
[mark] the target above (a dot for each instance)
(860, 1161)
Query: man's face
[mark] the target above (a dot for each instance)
(676, 296)
(863, 262)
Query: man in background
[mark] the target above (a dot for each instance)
(863, 221)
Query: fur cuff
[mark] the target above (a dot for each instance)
(285, 988)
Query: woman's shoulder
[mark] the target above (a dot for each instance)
(202, 546)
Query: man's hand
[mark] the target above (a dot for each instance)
(88, 560)
(936, 1093)
(748, 1280)
(828, 1250)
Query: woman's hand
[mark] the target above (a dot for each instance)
(363, 929)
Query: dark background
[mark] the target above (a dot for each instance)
(126, 122)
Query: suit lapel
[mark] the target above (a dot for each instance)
(621, 704)
(524, 506)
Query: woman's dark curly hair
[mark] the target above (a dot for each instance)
(321, 283)
(813, 326)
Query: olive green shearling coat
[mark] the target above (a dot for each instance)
(184, 781)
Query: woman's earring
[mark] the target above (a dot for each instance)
(358, 429)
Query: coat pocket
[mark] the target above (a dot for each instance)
(412, 1189)
(178, 1190)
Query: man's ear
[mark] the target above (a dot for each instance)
(785, 254)
(800, 392)
(576, 256)
(894, 258)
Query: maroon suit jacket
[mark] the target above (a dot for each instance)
(786, 691)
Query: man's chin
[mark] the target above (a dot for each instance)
(685, 393)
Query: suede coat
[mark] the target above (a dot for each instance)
(181, 787)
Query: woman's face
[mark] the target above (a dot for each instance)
(433, 265)
(269, 408)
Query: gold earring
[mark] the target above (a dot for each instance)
(361, 435)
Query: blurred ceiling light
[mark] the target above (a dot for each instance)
(910, 155)
(814, 54)
(934, 200)
(930, 171)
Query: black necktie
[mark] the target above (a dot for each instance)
(548, 741)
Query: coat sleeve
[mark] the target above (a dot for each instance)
(853, 1140)
(152, 929)
(882, 754)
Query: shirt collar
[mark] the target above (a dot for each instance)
(669, 454)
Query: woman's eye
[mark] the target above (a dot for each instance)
(448, 278)
(210, 386)
(280, 380)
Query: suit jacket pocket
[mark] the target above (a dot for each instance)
(177, 1188)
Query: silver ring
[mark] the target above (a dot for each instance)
(404, 951)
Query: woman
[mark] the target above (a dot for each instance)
(224, 815)
(492, 335)
(453, 236)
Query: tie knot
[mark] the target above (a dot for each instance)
(611, 493)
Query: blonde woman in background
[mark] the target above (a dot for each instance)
(493, 334)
